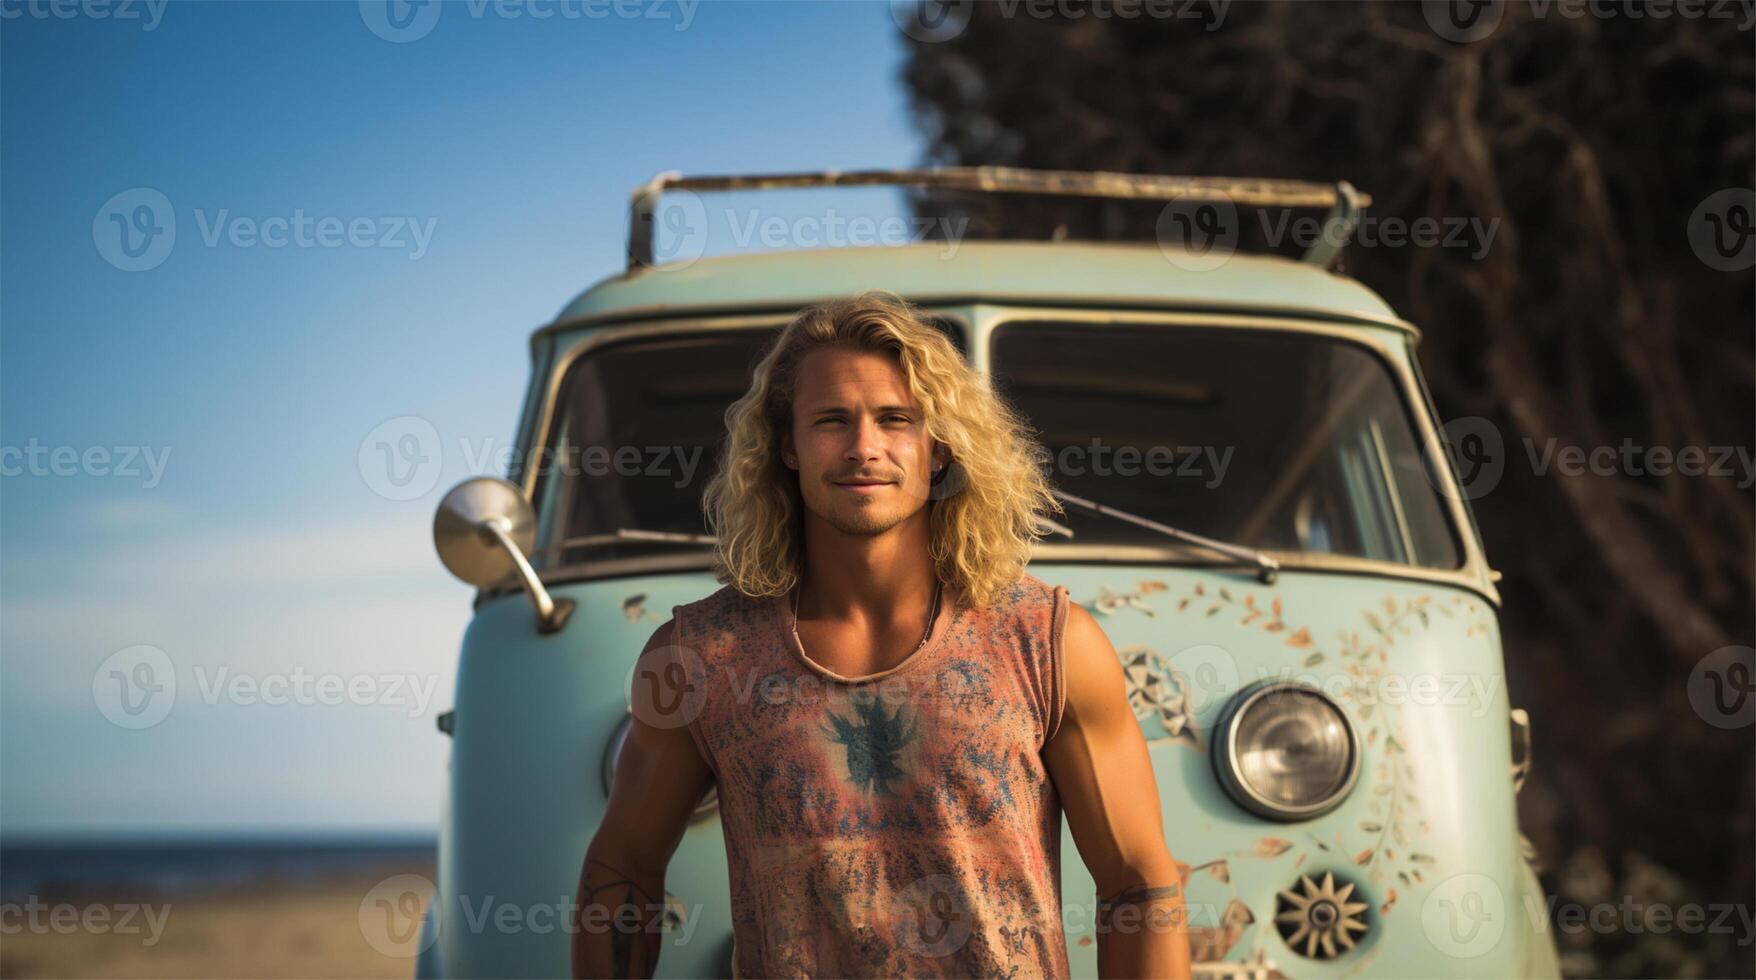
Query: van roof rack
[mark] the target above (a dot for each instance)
(1342, 200)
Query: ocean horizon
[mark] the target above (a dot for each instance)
(44, 866)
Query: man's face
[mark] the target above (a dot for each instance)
(859, 442)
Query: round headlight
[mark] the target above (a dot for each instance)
(1286, 751)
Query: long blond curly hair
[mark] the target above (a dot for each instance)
(984, 509)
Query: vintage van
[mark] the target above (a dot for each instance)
(1259, 511)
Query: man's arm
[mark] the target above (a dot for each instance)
(660, 777)
(1103, 774)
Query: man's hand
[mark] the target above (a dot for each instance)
(660, 777)
(1103, 774)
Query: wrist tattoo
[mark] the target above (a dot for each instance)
(621, 878)
(1140, 895)
(1127, 910)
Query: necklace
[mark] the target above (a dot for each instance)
(932, 617)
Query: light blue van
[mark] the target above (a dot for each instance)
(1259, 512)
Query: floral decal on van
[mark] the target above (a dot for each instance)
(1386, 843)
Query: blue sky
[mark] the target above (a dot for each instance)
(209, 409)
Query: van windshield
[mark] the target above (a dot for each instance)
(1272, 440)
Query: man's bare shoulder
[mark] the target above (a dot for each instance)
(725, 609)
(1085, 636)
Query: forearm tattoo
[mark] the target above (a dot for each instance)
(1135, 906)
(632, 949)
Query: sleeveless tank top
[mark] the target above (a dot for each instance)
(900, 824)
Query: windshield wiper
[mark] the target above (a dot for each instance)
(1267, 569)
(623, 535)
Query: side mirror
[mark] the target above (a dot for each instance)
(482, 530)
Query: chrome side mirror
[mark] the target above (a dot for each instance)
(482, 531)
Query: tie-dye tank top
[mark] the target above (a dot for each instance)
(896, 824)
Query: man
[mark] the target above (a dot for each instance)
(896, 713)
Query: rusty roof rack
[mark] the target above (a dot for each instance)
(1343, 201)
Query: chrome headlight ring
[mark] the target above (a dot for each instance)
(1244, 736)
